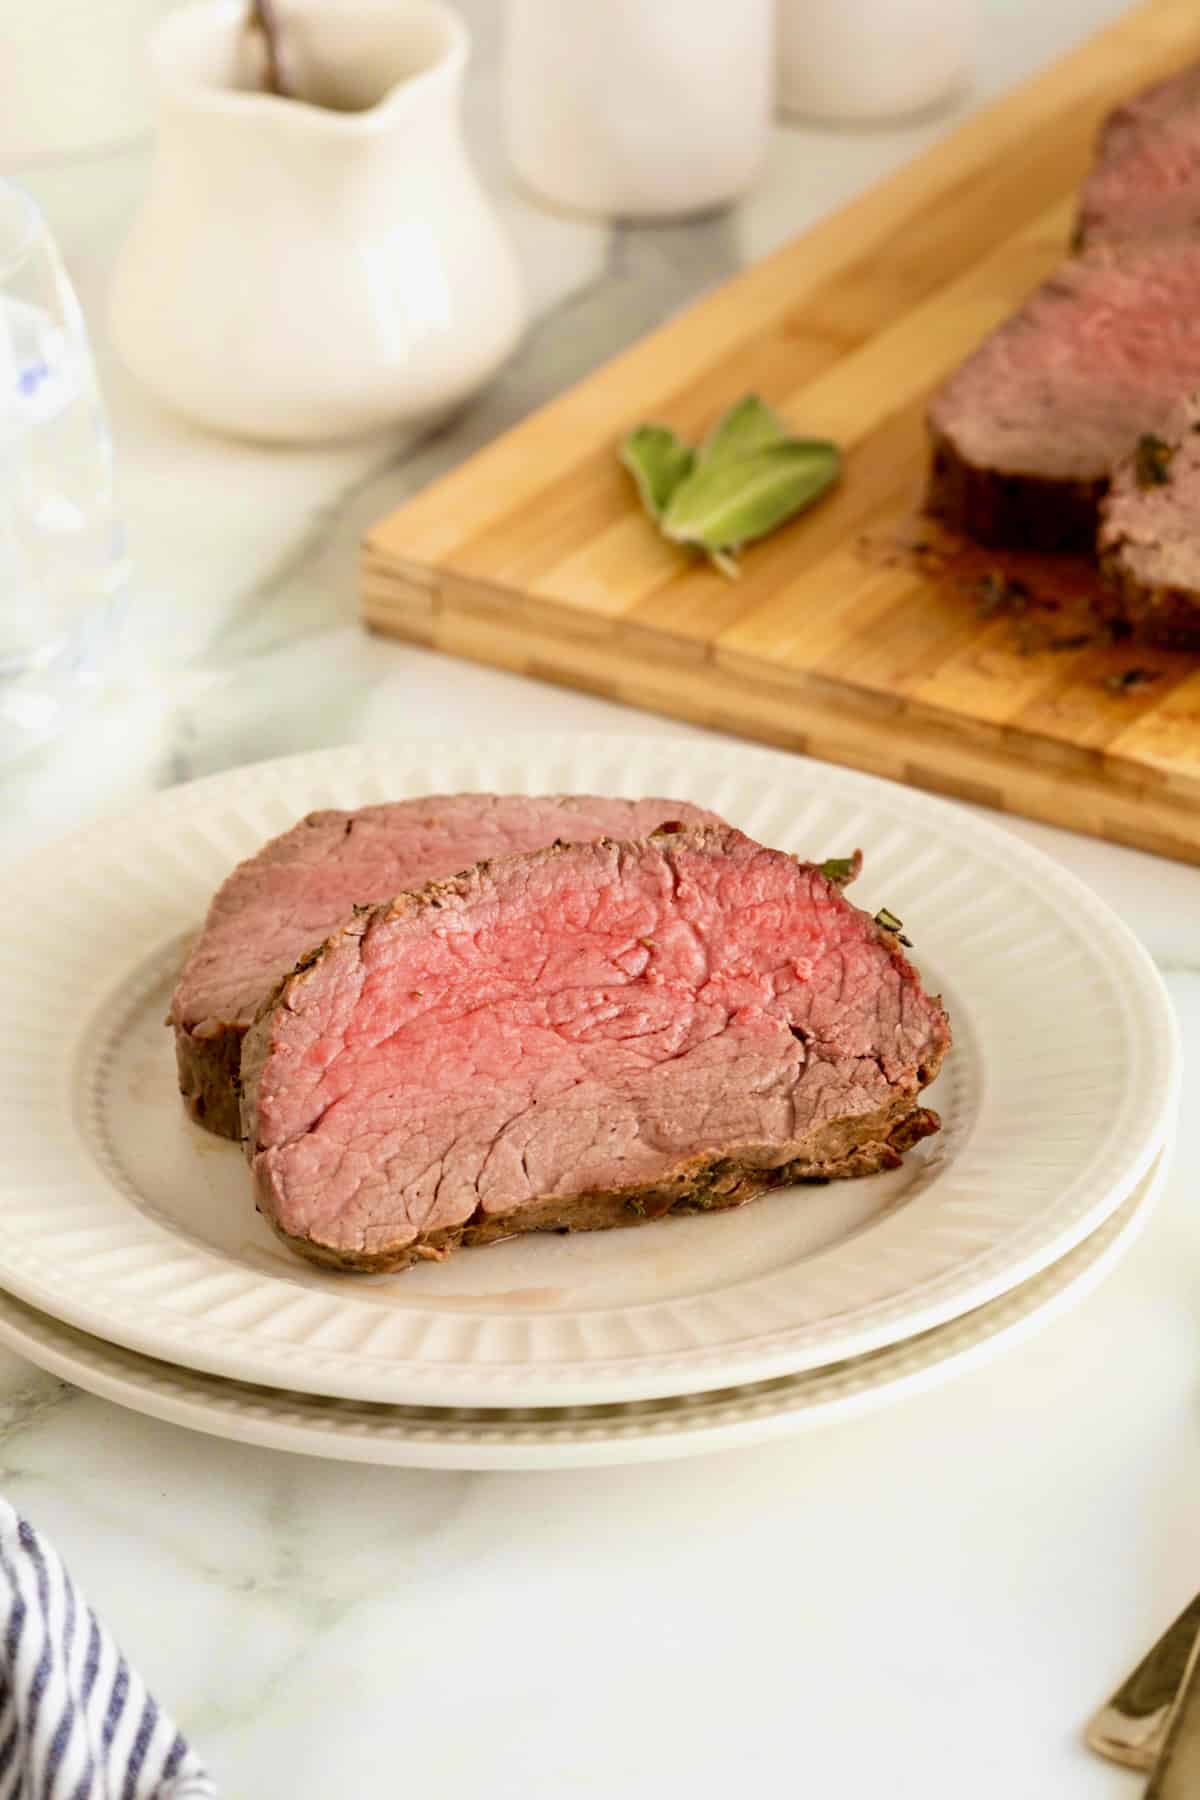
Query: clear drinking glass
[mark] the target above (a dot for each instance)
(63, 567)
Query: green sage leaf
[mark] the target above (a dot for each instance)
(725, 504)
(658, 462)
(748, 426)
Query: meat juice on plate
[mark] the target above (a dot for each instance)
(62, 559)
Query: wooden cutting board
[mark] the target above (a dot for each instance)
(853, 634)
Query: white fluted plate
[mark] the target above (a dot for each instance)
(123, 1219)
(576, 1436)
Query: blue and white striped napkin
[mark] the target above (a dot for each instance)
(76, 1722)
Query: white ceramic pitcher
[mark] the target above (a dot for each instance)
(301, 271)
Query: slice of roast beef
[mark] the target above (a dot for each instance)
(300, 887)
(1026, 431)
(584, 1037)
(1149, 540)
(1148, 189)
(1167, 102)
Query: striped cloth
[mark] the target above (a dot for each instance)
(75, 1721)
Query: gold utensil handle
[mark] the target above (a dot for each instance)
(1177, 1772)
(1132, 1726)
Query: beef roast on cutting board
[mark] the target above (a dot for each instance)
(1149, 538)
(582, 1037)
(1027, 429)
(303, 885)
(1164, 103)
(1145, 179)
(1148, 189)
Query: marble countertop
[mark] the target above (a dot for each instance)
(923, 1601)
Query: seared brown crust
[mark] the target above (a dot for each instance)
(208, 1077)
(1014, 510)
(868, 1146)
(1166, 616)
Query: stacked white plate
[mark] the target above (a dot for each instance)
(134, 1264)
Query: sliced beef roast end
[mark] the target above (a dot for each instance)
(305, 884)
(583, 1037)
(1144, 182)
(1176, 97)
(1027, 430)
(1147, 190)
(1149, 542)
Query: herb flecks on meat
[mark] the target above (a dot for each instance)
(1152, 461)
(887, 921)
(1128, 681)
(838, 868)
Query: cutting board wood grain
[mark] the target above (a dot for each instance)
(844, 637)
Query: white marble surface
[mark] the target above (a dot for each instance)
(924, 1602)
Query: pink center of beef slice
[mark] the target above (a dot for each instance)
(575, 1023)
